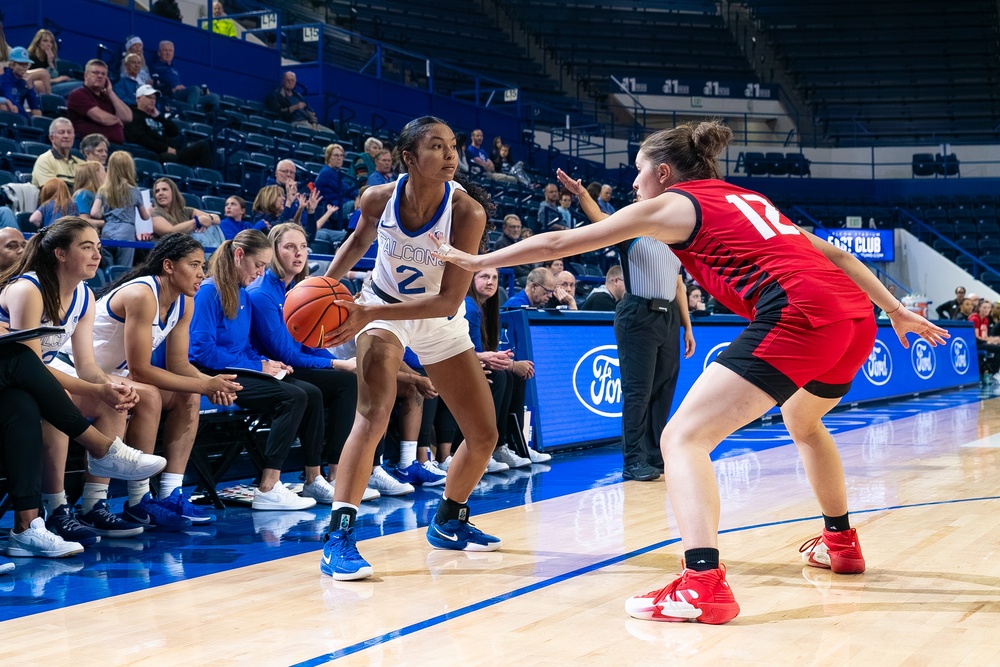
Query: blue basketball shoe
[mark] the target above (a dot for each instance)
(181, 506)
(460, 535)
(420, 474)
(341, 559)
(154, 515)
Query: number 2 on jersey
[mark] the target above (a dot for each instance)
(767, 225)
(405, 284)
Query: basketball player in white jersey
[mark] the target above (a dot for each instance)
(148, 307)
(46, 288)
(416, 301)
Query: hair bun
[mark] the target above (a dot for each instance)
(710, 138)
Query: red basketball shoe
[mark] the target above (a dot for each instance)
(837, 551)
(704, 597)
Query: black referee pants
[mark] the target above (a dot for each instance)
(649, 354)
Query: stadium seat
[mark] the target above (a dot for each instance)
(214, 204)
(923, 164)
(24, 224)
(147, 171)
(219, 186)
(187, 179)
(946, 165)
(798, 165)
(777, 165)
(194, 201)
(755, 164)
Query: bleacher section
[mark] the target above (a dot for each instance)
(895, 72)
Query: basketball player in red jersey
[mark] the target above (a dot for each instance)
(811, 328)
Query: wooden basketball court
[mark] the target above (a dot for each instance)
(924, 484)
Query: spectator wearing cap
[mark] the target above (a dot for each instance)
(288, 103)
(14, 87)
(133, 45)
(96, 107)
(151, 129)
(58, 162)
(168, 80)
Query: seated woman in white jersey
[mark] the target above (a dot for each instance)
(413, 300)
(46, 288)
(220, 340)
(149, 306)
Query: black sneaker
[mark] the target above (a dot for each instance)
(107, 524)
(63, 523)
(640, 472)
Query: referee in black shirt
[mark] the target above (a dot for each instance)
(648, 320)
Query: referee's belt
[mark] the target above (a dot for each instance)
(382, 294)
(659, 305)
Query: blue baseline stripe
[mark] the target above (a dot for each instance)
(518, 592)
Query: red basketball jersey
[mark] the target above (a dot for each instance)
(751, 258)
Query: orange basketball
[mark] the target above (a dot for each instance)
(310, 311)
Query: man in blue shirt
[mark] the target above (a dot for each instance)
(168, 80)
(15, 89)
(288, 103)
(480, 162)
(538, 289)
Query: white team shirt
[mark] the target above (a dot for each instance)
(77, 309)
(405, 267)
(109, 330)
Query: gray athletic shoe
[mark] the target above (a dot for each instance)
(124, 462)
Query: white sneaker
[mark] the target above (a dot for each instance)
(280, 498)
(506, 455)
(496, 466)
(320, 491)
(444, 464)
(370, 493)
(124, 462)
(39, 542)
(538, 457)
(388, 485)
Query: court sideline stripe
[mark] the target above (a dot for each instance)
(524, 590)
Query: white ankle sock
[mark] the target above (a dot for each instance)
(407, 452)
(136, 490)
(170, 481)
(92, 493)
(51, 501)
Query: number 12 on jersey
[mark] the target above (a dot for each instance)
(768, 225)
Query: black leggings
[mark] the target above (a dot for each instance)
(340, 400)
(29, 393)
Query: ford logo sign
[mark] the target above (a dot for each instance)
(597, 381)
(961, 356)
(923, 359)
(878, 368)
(713, 353)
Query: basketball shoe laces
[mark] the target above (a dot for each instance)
(665, 592)
(347, 548)
(810, 544)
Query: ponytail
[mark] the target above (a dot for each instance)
(691, 150)
(222, 267)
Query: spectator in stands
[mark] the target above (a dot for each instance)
(168, 80)
(96, 108)
(495, 153)
(990, 366)
(334, 188)
(512, 229)
(383, 169)
(503, 162)
(155, 131)
(604, 200)
(133, 45)
(606, 297)
(54, 202)
(269, 206)
(696, 302)
(289, 103)
(479, 160)
(365, 164)
(565, 292)
(95, 148)
(128, 82)
(297, 205)
(44, 51)
(461, 142)
(949, 309)
(330, 383)
(538, 289)
(220, 339)
(966, 308)
(594, 190)
(11, 247)
(58, 162)
(549, 217)
(14, 86)
(89, 179)
(168, 9)
(116, 203)
(565, 206)
(220, 24)
(556, 266)
(171, 214)
(233, 222)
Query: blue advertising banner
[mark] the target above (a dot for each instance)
(576, 396)
(876, 245)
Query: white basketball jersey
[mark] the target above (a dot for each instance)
(77, 308)
(109, 329)
(405, 267)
